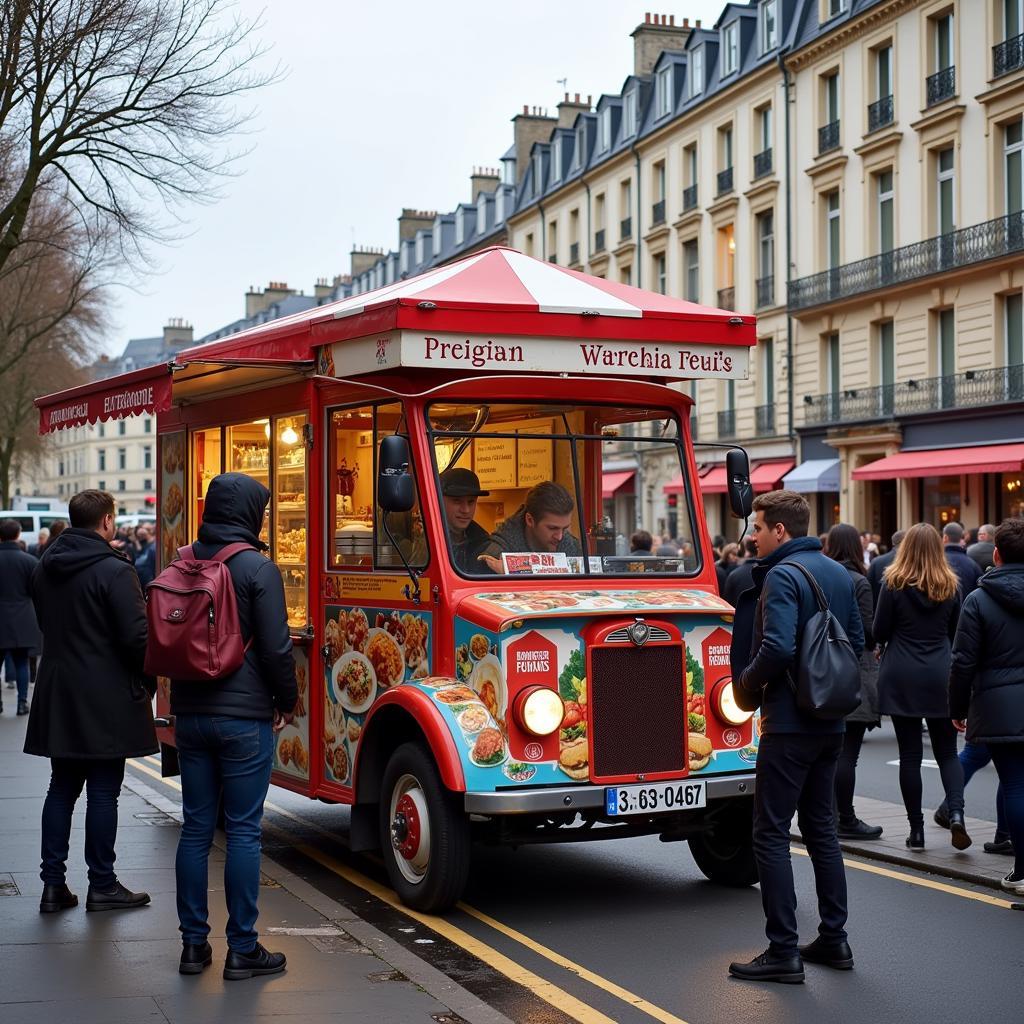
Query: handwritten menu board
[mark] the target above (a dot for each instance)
(535, 461)
(494, 460)
(507, 463)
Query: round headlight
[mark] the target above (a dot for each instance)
(539, 711)
(727, 708)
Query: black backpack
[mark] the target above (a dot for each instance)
(826, 681)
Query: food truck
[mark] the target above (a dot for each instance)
(565, 689)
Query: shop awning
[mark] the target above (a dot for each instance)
(714, 481)
(766, 476)
(128, 394)
(986, 458)
(674, 486)
(814, 476)
(612, 483)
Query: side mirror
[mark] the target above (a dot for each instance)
(737, 474)
(396, 491)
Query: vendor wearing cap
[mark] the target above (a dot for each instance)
(460, 489)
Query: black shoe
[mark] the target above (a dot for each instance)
(57, 897)
(960, 839)
(839, 956)
(22, 707)
(858, 829)
(118, 898)
(244, 965)
(195, 958)
(941, 816)
(915, 841)
(999, 846)
(789, 970)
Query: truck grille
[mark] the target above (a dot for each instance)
(637, 713)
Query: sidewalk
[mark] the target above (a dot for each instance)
(120, 967)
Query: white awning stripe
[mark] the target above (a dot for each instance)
(557, 292)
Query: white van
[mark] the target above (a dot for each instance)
(32, 522)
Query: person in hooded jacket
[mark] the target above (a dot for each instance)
(19, 632)
(986, 679)
(225, 736)
(92, 705)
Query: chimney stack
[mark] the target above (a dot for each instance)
(658, 32)
(322, 289)
(483, 179)
(570, 108)
(412, 220)
(363, 257)
(532, 125)
(177, 333)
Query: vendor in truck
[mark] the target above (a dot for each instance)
(540, 524)
(460, 489)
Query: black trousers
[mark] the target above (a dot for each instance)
(846, 771)
(943, 736)
(796, 774)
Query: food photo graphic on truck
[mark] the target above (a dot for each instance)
(480, 657)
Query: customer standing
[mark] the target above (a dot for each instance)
(224, 731)
(844, 547)
(796, 762)
(983, 548)
(966, 569)
(92, 705)
(916, 621)
(19, 631)
(881, 563)
(986, 680)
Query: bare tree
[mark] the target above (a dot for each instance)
(125, 105)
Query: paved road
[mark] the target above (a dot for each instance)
(628, 931)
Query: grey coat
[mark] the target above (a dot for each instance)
(18, 625)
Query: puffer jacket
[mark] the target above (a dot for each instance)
(265, 683)
(986, 679)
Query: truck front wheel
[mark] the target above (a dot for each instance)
(424, 833)
(725, 853)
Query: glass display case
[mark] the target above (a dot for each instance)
(289, 513)
(248, 452)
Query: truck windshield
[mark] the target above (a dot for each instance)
(545, 489)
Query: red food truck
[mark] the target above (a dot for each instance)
(489, 661)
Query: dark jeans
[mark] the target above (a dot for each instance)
(974, 757)
(911, 744)
(796, 774)
(846, 770)
(17, 659)
(102, 778)
(234, 756)
(1009, 761)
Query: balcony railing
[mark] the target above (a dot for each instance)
(763, 163)
(828, 137)
(625, 228)
(766, 291)
(658, 212)
(574, 252)
(967, 390)
(976, 244)
(727, 423)
(725, 181)
(1007, 56)
(941, 86)
(689, 198)
(764, 420)
(726, 298)
(599, 240)
(880, 113)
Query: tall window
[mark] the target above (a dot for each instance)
(835, 7)
(659, 273)
(730, 48)
(946, 343)
(581, 141)
(147, 425)
(102, 455)
(690, 165)
(1013, 165)
(553, 241)
(725, 147)
(604, 129)
(765, 258)
(769, 25)
(832, 225)
(883, 71)
(691, 271)
(556, 160)
(659, 181)
(626, 206)
(831, 95)
(538, 180)
(886, 365)
(764, 128)
(437, 233)
(767, 347)
(945, 188)
(944, 41)
(1013, 18)
(1014, 327)
(122, 458)
(147, 457)
(833, 367)
(697, 71)
(885, 211)
(121, 427)
(629, 114)
(664, 91)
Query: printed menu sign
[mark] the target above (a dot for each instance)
(534, 563)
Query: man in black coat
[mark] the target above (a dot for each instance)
(966, 569)
(224, 734)
(19, 631)
(984, 547)
(797, 756)
(878, 565)
(92, 706)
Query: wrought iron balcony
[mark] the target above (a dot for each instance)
(763, 163)
(574, 252)
(766, 291)
(989, 240)
(828, 137)
(689, 198)
(599, 240)
(941, 86)
(880, 113)
(764, 420)
(1008, 56)
(625, 228)
(727, 423)
(725, 181)
(658, 212)
(967, 390)
(726, 298)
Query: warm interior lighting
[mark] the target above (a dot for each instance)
(288, 435)
(732, 246)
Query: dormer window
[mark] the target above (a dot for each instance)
(730, 49)
(460, 226)
(768, 22)
(604, 130)
(437, 236)
(403, 260)
(629, 115)
(664, 91)
(421, 246)
(499, 205)
(581, 141)
(697, 71)
(481, 217)
(508, 171)
(538, 174)
(556, 160)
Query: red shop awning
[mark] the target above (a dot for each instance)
(612, 483)
(767, 476)
(714, 481)
(986, 458)
(674, 486)
(129, 394)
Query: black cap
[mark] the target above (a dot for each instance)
(461, 483)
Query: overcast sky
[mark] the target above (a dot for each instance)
(384, 105)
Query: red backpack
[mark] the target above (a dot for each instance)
(192, 613)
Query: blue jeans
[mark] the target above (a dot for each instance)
(1009, 762)
(16, 665)
(102, 778)
(234, 756)
(973, 758)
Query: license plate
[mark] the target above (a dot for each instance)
(653, 799)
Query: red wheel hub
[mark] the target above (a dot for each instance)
(408, 815)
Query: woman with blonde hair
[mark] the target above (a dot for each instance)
(916, 618)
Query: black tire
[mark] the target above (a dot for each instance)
(439, 883)
(725, 854)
